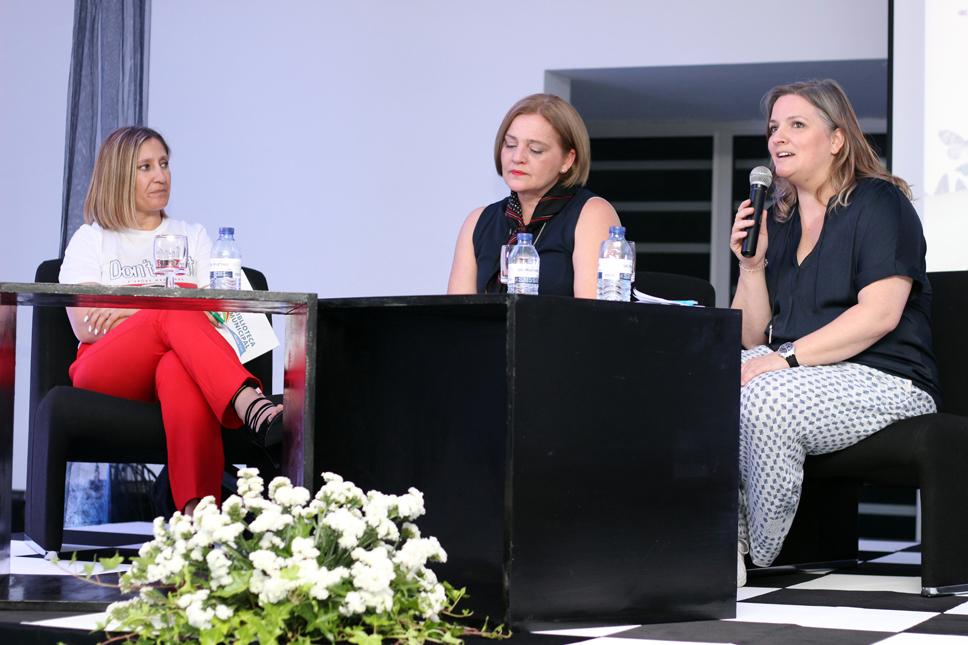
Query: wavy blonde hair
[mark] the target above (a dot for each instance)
(855, 160)
(110, 197)
(566, 122)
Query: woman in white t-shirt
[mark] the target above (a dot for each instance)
(177, 358)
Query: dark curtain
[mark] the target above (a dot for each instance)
(108, 88)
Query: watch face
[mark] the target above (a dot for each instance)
(784, 350)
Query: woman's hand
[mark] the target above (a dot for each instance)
(761, 365)
(741, 223)
(101, 320)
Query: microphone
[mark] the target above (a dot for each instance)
(760, 180)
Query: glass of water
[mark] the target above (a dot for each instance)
(505, 252)
(634, 258)
(171, 257)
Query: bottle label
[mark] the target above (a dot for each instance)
(225, 267)
(614, 269)
(523, 273)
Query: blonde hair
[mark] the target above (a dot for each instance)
(110, 197)
(566, 122)
(856, 158)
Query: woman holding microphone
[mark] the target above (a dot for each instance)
(174, 357)
(836, 308)
(543, 153)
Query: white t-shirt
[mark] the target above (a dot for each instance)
(123, 258)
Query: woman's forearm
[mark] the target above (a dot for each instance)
(753, 299)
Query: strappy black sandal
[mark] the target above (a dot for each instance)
(264, 431)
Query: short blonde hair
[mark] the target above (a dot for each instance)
(566, 122)
(856, 159)
(110, 197)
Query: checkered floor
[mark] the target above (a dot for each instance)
(877, 602)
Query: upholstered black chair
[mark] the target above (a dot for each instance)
(928, 452)
(70, 424)
(673, 286)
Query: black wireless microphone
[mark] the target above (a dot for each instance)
(760, 180)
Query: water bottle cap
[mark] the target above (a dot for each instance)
(525, 238)
(616, 230)
(226, 230)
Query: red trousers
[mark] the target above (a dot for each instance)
(178, 359)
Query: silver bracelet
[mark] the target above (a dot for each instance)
(757, 269)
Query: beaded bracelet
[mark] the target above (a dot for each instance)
(757, 269)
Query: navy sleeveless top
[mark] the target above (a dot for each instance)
(555, 243)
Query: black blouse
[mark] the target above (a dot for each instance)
(555, 244)
(876, 236)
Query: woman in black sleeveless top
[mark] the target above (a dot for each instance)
(542, 152)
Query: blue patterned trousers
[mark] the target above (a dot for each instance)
(791, 413)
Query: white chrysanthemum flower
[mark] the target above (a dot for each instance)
(274, 590)
(349, 526)
(271, 541)
(159, 528)
(270, 519)
(233, 507)
(432, 602)
(277, 483)
(189, 598)
(304, 548)
(181, 526)
(336, 491)
(292, 496)
(257, 581)
(409, 530)
(415, 553)
(411, 505)
(223, 613)
(372, 574)
(352, 604)
(376, 511)
(206, 506)
(218, 566)
(229, 533)
(250, 484)
(199, 616)
(266, 561)
(326, 579)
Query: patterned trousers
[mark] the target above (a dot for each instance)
(791, 413)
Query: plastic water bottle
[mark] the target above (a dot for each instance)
(523, 267)
(615, 267)
(225, 265)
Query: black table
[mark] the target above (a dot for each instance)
(579, 458)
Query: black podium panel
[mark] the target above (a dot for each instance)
(579, 458)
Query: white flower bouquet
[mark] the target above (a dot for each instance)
(342, 566)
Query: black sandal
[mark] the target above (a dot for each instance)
(264, 431)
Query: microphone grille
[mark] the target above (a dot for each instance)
(761, 175)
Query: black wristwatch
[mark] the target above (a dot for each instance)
(788, 352)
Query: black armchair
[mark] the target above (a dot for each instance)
(70, 424)
(929, 452)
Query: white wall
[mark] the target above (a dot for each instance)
(318, 128)
(35, 53)
(328, 130)
(930, 128)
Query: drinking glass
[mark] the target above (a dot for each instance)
(171, 257)
(505, 252)
(634, 258)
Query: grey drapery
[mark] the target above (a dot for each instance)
(108, 88)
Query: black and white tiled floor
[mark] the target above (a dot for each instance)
(877, 602)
